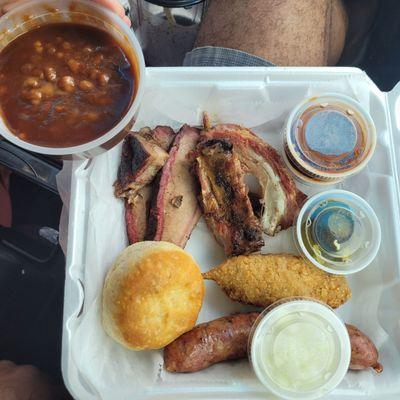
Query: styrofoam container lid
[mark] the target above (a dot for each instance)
(329, 137)
(299, 349)
(338, 232)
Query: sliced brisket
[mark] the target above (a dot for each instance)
(163, 136)
(129, 183)
(174, 210)
(140, 161)
(136, 214)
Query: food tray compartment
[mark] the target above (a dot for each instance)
(94, 367)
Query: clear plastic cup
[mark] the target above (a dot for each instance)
(328, 138)
(338, 232)
(304, 179)
(36, 13)
(299, 349)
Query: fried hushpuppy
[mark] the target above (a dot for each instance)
(262, 279)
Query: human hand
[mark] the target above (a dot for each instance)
(23, 383)
(113, 5)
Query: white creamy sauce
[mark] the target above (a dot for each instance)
(300, 349)
(299, 352)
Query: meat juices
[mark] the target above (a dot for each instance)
(210, 343)
(64, 84)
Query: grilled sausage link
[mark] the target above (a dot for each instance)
(210, 343)
(363, 352)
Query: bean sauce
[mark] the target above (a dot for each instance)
(64, 84)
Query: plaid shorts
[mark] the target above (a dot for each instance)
(210, 56)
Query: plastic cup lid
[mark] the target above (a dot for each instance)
(299, 349)
(330, 136)
(338, 232)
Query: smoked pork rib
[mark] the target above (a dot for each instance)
(137, 201)
(174, 211)
(224, 198)
(281, 200)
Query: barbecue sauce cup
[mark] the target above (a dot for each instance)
(97, 22)
(327, 139)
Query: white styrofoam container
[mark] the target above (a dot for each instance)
(181, 95)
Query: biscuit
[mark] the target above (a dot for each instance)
(152, 294)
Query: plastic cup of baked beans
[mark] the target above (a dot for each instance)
(36, 13)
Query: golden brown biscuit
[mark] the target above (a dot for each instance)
(152, 294)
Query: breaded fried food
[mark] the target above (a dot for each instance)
(262, 279)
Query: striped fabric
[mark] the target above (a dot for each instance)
(210, 56)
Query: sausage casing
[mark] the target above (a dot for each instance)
(210, 343)
(363, 352)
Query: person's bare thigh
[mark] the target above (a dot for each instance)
(285, 32)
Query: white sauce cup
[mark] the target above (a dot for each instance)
(299, 349)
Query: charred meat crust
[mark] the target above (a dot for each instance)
(140, 161)
(210, 343)
(263, 161)
(137, 201)
(224, 144)
(125, 170)
(224, 198)
(174, 211)
(162, 135)
(154, 212)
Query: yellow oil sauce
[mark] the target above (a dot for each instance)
(333, 232)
